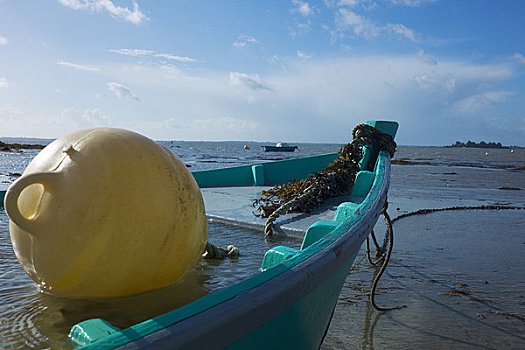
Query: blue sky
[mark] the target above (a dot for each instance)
(303, 71)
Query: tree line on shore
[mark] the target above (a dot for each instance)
(482, 144)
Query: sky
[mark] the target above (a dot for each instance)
(264, 70)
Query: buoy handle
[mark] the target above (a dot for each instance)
(47, 179)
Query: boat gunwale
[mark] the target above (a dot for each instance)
(330, 253)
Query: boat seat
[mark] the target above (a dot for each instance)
(362, 184)
(317, 231)
(344, 211)
(277, 255)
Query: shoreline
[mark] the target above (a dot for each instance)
(11, 147)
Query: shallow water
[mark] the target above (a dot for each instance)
(30, 318)
(460, 273)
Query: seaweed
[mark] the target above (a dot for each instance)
(335, 180)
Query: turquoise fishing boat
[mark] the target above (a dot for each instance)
(290, 302)
(279, 147)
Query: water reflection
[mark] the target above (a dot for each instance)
(31, 318)
(369, 327)
(37, 319)
(460, 275)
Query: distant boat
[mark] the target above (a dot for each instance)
(279, 147)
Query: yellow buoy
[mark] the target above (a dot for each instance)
(105, 213)
(246, 147)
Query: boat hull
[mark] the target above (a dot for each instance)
(278, 149)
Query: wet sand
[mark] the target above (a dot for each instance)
(460, 275)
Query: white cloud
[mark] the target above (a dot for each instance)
(88, 118)
(253, 82)
(171, 70)
(365, 4)
(78, 66)
(274, 59)
(479, 102)
(328, 96)
(245, 40)
(300, 28)
(3, 82)
(216, 127)
(348, 20)
(323, 93)
(19, 122)
(133, 52)
(134, 15)
(360, 26)
(411, 3)
(400, 29)
(518, 57)
(122, 91)
(96, 117)
(349, 3)
(303, 8)
(432, 81)
(3, 40)
(151, 53)
(176, 58)
(303, 55)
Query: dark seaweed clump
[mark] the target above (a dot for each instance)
(335, 180)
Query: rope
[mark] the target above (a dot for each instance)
(479, 207)
(389, 240)
(337, 179)
(213, 252)
(380, 251)
(283, 209)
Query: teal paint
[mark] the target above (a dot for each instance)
(387, 127)
(344, 211)
(295, 169)
(317, 231)
(370, 154)
(258, 175)
(302, 326)
(272, 172)
(362, 183)
(234, 176)
(88, 331)
(277, 255)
